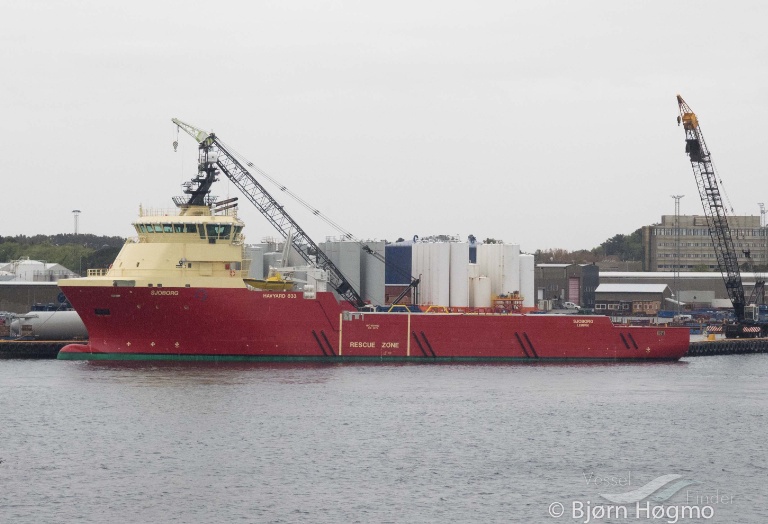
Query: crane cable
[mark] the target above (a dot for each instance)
(717, 175)
(345, 234)
(722, 186)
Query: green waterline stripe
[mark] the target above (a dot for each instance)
(330, 360)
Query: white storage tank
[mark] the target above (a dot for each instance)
(51, 325)
(422, 269)
(440, 263)
(481, 292)
(512, 266)
(527, 272)
(346, 257)
(501, 264)
(431, 261)
(459, 274)
(474, 272)
(372, 273)
(484, 256)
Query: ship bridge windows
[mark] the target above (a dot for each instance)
(149, 228)
(219, 231)
(214, 231)
(170, 228)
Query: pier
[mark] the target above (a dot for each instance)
(32, 349)
(732, 346)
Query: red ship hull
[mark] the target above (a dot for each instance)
(240, 324)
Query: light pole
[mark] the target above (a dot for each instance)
(763, 232)
(76, 212)
(676, 266)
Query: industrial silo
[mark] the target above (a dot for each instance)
(527, 271)
(372, 273)
(459, 274)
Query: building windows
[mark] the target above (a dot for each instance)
(691, 242)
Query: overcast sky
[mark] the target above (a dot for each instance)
(548, 124)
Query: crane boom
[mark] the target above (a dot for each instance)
(714, 210)
(213, 152)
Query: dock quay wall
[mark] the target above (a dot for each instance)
(32, 349)
(736, 346)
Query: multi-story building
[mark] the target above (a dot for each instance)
(692, 249)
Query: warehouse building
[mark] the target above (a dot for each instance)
(631, 299)
(26, 270)
(25, 283)
(694, 289)
(559, 283)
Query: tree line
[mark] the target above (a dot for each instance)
(619, 247)
(77, 253)
(84, 251)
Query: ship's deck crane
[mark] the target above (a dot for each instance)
(212, 154)
(717, 220)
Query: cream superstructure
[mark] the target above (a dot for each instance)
(194, 248)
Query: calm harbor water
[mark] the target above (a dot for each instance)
(156, 442)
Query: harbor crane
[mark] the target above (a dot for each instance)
(747, 319)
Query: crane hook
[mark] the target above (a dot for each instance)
(176, 142)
